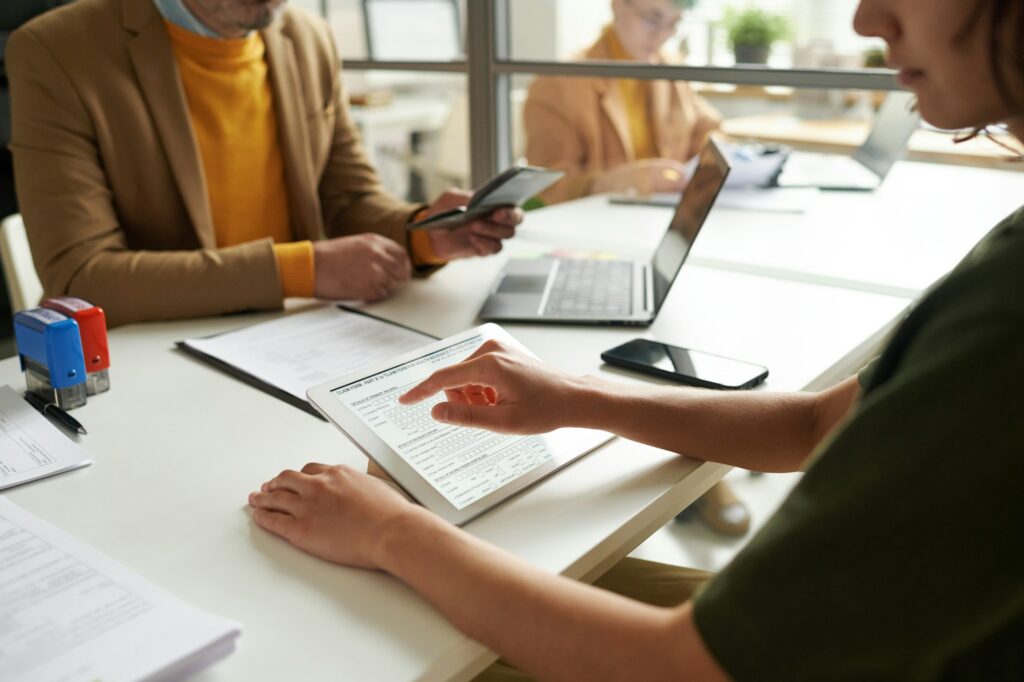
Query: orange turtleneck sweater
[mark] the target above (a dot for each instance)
(232, 111)
(231, 106)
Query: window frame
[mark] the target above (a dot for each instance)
(489, 68)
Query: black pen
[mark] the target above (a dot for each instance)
(52, 410)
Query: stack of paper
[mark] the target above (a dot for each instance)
(30, 446)
(68, 613)
(287, 355)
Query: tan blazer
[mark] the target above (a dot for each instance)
(109, 176)
(580, 125)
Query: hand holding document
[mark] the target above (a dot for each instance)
(30, 446)
(74, 615)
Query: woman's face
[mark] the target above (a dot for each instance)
(643, 26)
(950, 75)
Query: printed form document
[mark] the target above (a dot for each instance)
(30, 446)
(298, 351)
(463, 464)
(70, 614)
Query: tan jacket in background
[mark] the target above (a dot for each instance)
(580, 125)
(109, 177)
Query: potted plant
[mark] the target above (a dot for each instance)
(875, 58)
(752, 32)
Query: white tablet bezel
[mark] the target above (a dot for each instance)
(566, 445)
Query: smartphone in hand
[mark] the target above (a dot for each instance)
(514, 187)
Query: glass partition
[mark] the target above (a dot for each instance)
(415, 128)
(437, 118)
(780, 33)
(406, 30)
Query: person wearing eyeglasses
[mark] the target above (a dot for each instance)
(619, 135)
(627, 136)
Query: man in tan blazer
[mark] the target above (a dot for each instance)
(610, 135)
(117, 168)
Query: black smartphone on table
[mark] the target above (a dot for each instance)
(513, 187)
(691, 367)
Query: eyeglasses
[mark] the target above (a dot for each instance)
(654, 20)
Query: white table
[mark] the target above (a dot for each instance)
(897, 240)
(178, 446)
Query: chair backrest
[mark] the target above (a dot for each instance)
(24, 289)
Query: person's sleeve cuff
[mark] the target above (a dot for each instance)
(420, 249)
(295, 268)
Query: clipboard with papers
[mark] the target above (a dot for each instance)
(285, 356)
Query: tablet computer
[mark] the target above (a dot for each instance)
(512, 187)
(456, 472)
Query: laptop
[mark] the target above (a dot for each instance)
(870, 163)
(603, 291)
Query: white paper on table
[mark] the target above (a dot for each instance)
(30, 446)
(74, 615)
(298, 351)
(768, 199)
(464, 465)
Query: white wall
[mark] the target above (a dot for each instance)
(533, 30)
(546, 30)
(579, 24)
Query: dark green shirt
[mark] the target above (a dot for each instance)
(900, 554)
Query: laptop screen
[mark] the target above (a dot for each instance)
(895, 123)
(691, 212)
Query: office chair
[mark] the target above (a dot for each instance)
(24, 290)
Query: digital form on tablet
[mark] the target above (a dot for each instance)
(454, 471)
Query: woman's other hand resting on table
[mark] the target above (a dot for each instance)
(647, 176)
(317, 507)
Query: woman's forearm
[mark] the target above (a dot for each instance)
(754, 430)
(549, 626)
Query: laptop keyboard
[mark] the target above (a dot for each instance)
(585, 288)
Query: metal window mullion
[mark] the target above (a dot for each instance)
(833, 79)
(501, 96)
(489, 91)
(432, 67)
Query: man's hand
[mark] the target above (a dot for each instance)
(366, 267)
(502, 389)
(481, 237)
(333, 512)
(649, 176)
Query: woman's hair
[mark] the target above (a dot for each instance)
(1006, 25)
(1006, 54)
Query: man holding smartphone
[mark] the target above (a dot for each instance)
(179, 158)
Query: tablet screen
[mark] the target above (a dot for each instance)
(462, 464)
